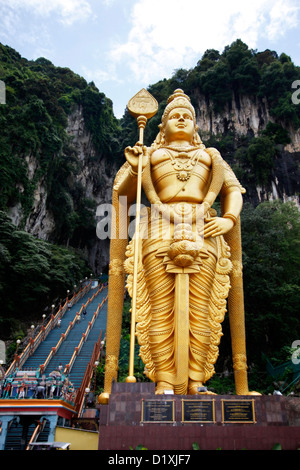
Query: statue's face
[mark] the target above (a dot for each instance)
(179, 126)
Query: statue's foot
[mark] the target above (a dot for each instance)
(197, 388)
(161, 387)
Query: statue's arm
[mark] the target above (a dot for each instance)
(232, 203)
(223, 182)
(127, 184)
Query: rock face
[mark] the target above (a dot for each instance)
(40, 221)
(243, 117)
(97, 178)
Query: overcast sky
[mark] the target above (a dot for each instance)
(126, 45)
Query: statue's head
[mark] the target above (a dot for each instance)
(181, 102)
(178, 100)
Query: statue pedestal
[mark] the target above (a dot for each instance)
(136, 416)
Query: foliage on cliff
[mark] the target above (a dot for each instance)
(33, 275)
(237, 71)
(39, 97)
(33, 122)
(271, 259)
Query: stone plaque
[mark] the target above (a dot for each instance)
(158, 411)
(238, 411)
(198, 411)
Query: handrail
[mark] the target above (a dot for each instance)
(36, 432)
(54, 349)
(80, 396)
(62, 338)
(83, 338)
(42, 335)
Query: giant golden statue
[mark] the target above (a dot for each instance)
(188, 258)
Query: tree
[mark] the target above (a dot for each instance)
(271, 259)
(32, 274)
(208, 60)
(275, 84)
(255, 159)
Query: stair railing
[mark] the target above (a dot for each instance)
(54, 349)
(40, 426)
(33, 343)
(81, 394)
(83, 338)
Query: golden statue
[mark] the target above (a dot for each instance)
(187, 258)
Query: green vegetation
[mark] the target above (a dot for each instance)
(33, 274)
(125, 346)
(40, 97)
(238, 71)
(271, 249)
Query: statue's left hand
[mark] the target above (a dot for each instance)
(133, 155)
(217, 226)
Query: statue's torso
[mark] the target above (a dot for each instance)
(181, 176)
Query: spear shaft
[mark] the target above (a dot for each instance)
(141, 122)
(142, 106)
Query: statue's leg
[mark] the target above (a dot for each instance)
(161, 331)
(200, 329)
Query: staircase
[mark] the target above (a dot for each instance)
(17, 436)
(73, 337)
(20, 432)
(80, 364)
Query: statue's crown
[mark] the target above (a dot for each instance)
(178, 94)
(178, 100)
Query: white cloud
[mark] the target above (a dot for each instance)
(165, 33)
(100, 76)
(108, 3)
(283, 16)
(67, 11)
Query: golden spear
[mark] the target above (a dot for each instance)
(142, 106)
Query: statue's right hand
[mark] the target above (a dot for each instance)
(133, 154)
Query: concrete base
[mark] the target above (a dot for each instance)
(121, 427)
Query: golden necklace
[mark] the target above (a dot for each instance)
(183, 164)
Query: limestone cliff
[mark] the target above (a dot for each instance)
(95, 176)
(245, 116)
